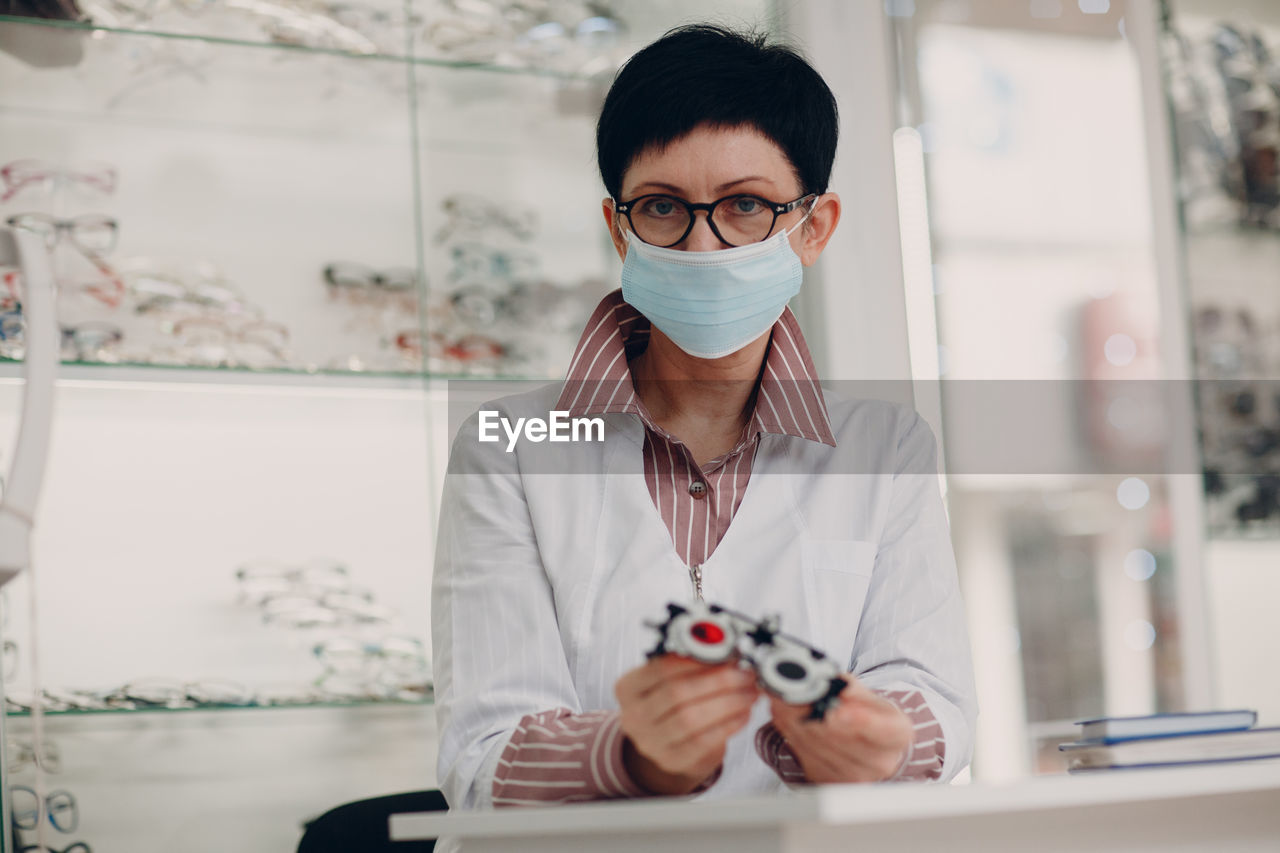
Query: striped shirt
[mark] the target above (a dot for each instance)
(558, 756)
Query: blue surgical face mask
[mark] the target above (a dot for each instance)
(712, 303)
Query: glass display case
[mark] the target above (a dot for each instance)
(1222, 70)
(277, 228)
(1023, 125)
(1221, 93)
(190, 231)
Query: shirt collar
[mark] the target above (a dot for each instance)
(789, 399)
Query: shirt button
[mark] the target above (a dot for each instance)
(698, 489)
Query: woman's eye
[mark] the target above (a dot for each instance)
(746, 205)
(658, 207)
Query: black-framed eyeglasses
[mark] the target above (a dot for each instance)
(665, 220)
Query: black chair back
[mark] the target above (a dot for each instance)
(361, 827)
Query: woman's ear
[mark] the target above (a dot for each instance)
(613, 221)
(818, 230)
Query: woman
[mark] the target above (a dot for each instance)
(724, 473)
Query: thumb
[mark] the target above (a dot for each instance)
(787, 714)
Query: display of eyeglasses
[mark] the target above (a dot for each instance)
(274, 223)
(428, 228)
(1034, 258)
(1222, 72)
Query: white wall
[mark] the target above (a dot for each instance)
(1243, 580)
(853, 302)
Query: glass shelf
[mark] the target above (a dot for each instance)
(221, 709)
(1232, 229)
(210, 782)
(89, 372)
(78, 31)
(573, 42)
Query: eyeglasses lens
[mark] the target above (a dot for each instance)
(663, 220)
(45, 226)
(63, 812)
(94, 235)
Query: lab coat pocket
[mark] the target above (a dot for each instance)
(837, 574)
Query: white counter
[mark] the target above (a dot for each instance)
(1220, 808)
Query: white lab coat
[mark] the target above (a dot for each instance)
(550, 558)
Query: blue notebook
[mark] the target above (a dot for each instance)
(1105, 730)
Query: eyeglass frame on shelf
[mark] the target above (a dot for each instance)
(55, 227)
(91, 336)
(348, 654)
(57, 802)
(100, 176)
(474, 213)
(74, 847)
(53, 232)
(48, 756)
(777, 208)
(361, 276)
(174, 694)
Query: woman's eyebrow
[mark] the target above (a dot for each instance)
(657, 185)
(734, 183)
(675, 190)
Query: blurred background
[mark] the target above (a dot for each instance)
(282, 227)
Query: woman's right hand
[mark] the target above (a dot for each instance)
(677, 716)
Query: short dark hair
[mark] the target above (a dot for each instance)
(706, 74)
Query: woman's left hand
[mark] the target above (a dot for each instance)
(862, 739)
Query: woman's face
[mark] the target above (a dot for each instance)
(712, 162)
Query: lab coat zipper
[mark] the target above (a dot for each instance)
(695, 572)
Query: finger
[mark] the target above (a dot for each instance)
(798, 726)
(872, 720)
(851, 753)
(693, 688)
(792, 722)
(796, 717)
(856, 692)
(688, 719)
(786, 711)
(705, 750)
(819, 764)
(677, 747)
(664, 668)
(640, 680)
(862, 765)
(824, 757)
(712, 737)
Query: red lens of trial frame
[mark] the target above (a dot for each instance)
(707, 632)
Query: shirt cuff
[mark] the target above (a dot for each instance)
(927, 751)
(561, 757)
(774, 751)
